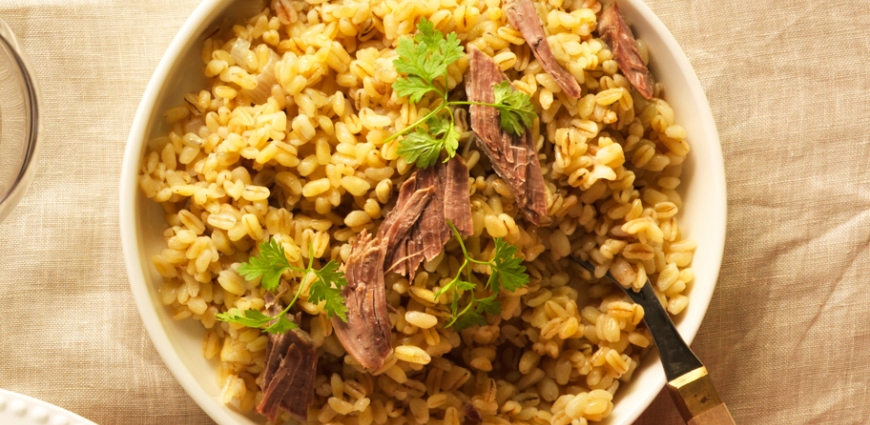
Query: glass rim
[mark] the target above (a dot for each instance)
(8, 40)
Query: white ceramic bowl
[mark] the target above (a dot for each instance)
(181, 71)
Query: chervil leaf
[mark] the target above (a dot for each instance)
(330, 276)
(257, 320)
(281, 326)
(334, 301)
(441, 51)
(516, 112)
(458, 285)
(506, 272)
(438, 126)
(423, 60)
(449, 136)
(270, 264)
(327, 287)
(451, 142)
(467, 320)
(251, 318)
(506, 267)
(428, 36)
(428, 54)
(421, 56)
(421, 147)
(462, 285)
(412, 87)
(412, 59)
(450, 50)
(488, 305)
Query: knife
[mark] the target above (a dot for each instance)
(688, 381)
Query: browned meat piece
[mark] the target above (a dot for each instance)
(400, 243)
(522, 15)
(423, 239)
(443, 190)
(616, 33)
(455, 195)
(451, 202)
(288, 381)
(414, 229)
(273, 356)
(366, 335)
(513, 157)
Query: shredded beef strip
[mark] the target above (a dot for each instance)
(404, 240)
(444, 189)
(513, 157)
(451, 202)
(395, 232)
(457, 202)
(523, 16)
(291, 365)
(366, 335)
(616, 33)
(273, 354)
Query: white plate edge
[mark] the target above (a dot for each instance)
(14, 405)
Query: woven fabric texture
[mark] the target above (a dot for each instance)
(784, 338)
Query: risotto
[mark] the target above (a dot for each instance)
(290, 141)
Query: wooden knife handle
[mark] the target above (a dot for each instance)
(718, 415)
(697, 400)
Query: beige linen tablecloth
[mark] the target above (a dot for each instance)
(786, 336)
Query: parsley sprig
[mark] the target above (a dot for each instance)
(506, 272)
(424, 61)
(269, 266)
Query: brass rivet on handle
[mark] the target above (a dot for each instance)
(694, 393)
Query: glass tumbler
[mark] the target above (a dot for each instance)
(19, 121)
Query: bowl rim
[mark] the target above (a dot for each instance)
(199, 19)
(10, 199)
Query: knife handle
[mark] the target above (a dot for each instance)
(697, 400)
(718, 415)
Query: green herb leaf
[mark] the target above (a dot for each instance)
(423, 60)
(270, 264)
(281, 326)
(507, 270)
(467, 320)
(462, 285)
(424, 147)
(256, 319)
(444, 50)
(421, 147)
(516, 112)
(449, 135)
(412, 87)
(327, 287)
(251, 318)
(488, 305)
(428, 54)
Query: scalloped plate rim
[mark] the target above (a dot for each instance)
(53, 415)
